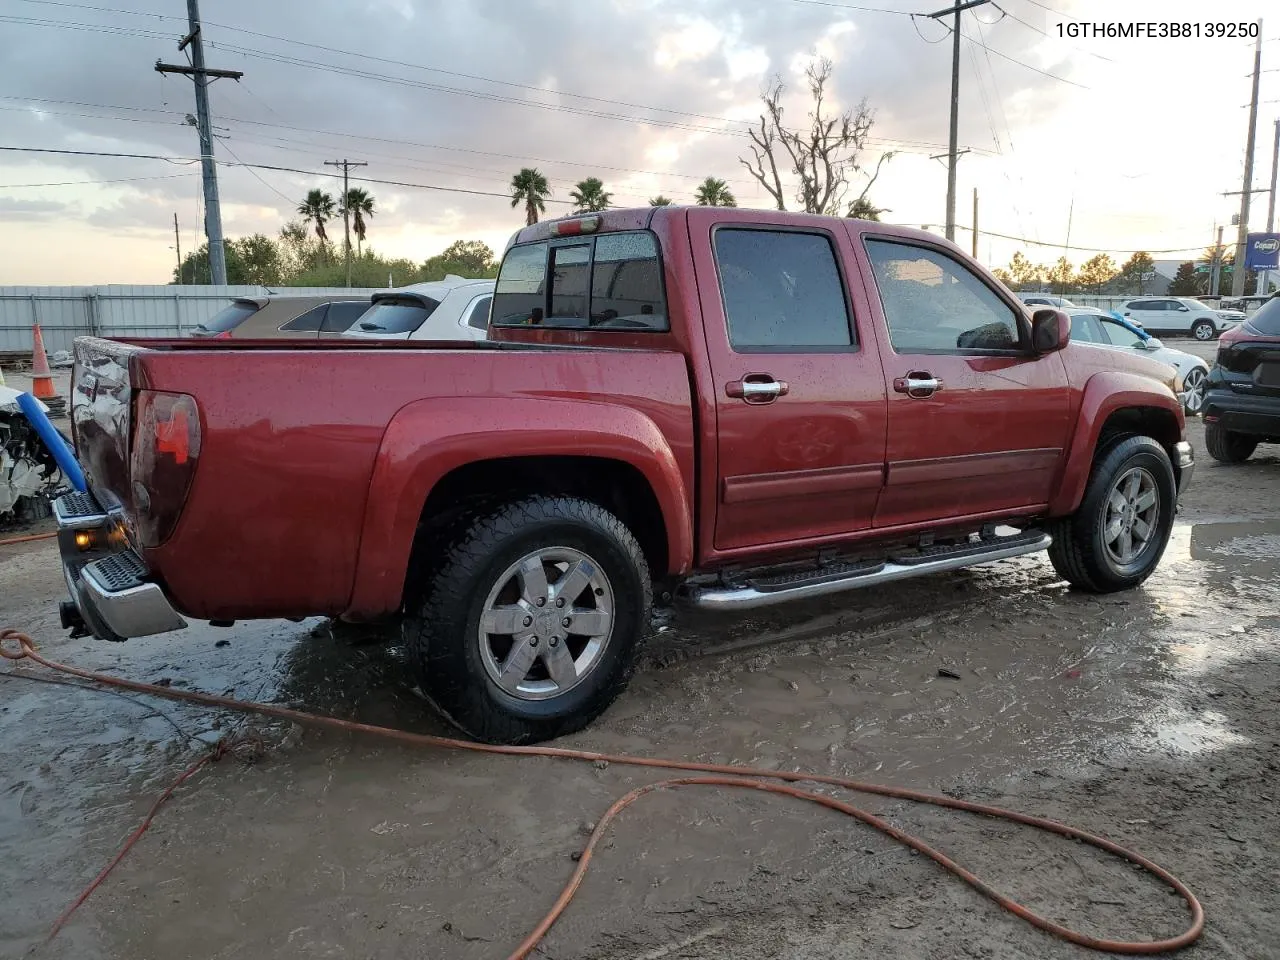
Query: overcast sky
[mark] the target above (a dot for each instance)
(1130, 143)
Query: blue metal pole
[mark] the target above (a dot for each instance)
(62, 453)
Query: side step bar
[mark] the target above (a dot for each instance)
(765, 591)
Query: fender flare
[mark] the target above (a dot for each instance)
(427, 439)
(1104, 394)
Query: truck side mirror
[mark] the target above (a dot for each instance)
(1050, 330)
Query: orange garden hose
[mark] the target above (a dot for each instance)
(28, 539)
(715, 775)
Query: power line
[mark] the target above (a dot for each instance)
(257, 176)
(77, 183)
(1042, 6)
(103, 153)
(1043, 73)
(402, 81)
(850, 6)
(1065, 246)
(1044, 33)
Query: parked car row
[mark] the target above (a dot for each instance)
(450, 309)
(1184, 316)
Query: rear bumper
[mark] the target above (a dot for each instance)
(1257, 416)
(109, 584)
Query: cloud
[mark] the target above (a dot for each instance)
(12, 208)
(445, 93)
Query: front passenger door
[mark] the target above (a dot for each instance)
(977, 423)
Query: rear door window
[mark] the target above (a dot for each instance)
(308, 322)
(342, 315)
(230, 317)
(1084, 329)
(479, 315)
(610, 282)
(782, 290)
(397, 316)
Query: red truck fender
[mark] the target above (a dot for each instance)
(1106, 394)
(427, 439)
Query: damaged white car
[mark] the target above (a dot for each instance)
(28, 471)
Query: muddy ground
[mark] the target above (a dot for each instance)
(1152, 717)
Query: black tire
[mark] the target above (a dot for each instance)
(1203, 330)
(443, 633)
(1227, 447)
(1079, 553)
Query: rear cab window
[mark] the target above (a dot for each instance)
(608, 282)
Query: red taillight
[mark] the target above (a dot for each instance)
(224, 335)
(166, 448)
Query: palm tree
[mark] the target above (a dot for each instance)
(317, 208)
(714, 193)
(530, 188)
(360, 203)
(589, 196)
(659, 201)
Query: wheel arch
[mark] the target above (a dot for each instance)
(1116, 406)
(444, 454)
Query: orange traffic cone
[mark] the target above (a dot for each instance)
(41, 376)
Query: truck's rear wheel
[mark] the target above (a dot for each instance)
(530, 625)
(1116, 538)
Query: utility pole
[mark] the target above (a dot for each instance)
(208, 169)
(346, 166)
(1215, 267)
(1242, 233)
(952, 155)
(177, 245)
(1264, 278)
(975, 223)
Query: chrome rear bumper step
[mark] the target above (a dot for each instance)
(108, 582)
(765, 591)
(79, 511)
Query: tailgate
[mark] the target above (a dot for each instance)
(101, 415)
(1251, 366)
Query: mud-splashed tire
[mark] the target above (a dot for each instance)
(443, 635)
(1080, 552)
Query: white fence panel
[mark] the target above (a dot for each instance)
(122, 310)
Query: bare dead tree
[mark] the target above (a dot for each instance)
(822, 157)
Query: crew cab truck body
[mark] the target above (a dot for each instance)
(738, 407)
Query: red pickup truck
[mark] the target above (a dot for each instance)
(736, 407)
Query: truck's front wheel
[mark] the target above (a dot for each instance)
(530, 626)
(1116, 538)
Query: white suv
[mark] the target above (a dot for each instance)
(1178, 315)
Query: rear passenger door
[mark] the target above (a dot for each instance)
(799, 397)
(1150, 313)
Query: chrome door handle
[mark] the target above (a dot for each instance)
(757, 388)
(918, 386)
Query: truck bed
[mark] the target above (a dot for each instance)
(313, 455)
